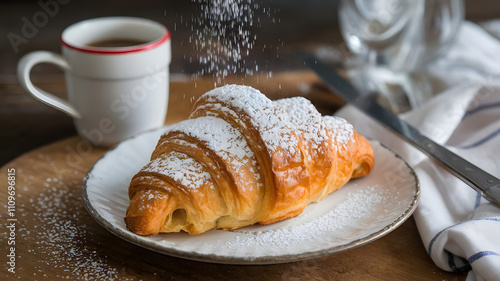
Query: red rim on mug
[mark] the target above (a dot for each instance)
(119, 50)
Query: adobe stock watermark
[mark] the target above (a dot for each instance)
(11, 220)
(30, 26)
(122, 108)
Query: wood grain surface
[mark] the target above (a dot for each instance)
(56, 239)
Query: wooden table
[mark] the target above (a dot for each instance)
(56, 239)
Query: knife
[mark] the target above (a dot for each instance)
(484, 183)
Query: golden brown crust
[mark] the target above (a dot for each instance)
(241, 159)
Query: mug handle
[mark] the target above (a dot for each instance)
(23, 73)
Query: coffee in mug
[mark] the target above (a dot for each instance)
(113, 43)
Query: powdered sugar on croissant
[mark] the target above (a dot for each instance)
(243, 159)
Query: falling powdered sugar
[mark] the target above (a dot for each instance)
(222, 36)
(356, 206)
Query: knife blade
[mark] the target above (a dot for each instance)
(484, 183)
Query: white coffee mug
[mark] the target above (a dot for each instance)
(117, 76)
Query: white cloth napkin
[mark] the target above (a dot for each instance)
(459, 229)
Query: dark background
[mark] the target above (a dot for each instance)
(286, 26)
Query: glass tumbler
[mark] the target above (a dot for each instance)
(394, 39)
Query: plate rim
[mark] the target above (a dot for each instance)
(225, 259)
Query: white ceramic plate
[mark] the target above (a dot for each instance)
(363, 210)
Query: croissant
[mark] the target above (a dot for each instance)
(242, 159)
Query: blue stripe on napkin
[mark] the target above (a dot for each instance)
(481, 108)
(477, 204)
(453, 265)
(478, 201)
(474, 111)
(429, 249)
(466, 264)
(481, 141)
(479, 255)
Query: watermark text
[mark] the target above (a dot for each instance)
(11, 220)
